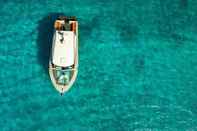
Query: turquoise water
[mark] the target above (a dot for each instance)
(137, 66)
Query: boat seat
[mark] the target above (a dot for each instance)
(73, 26)
(58, 24)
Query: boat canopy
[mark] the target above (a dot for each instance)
(63, 48)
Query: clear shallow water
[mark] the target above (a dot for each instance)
(137, 66)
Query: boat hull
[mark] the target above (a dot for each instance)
(71, 71)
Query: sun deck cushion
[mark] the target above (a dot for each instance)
(63, 48)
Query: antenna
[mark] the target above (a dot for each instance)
(62, 92)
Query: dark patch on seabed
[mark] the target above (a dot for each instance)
(128, 33)
(86, 28)
(139, 63)
(184, 3)
(44, 40)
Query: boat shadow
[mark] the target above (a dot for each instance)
(44, 39)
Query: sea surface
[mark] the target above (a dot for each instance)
(137, 66)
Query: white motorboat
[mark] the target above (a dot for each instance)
(63, 63)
